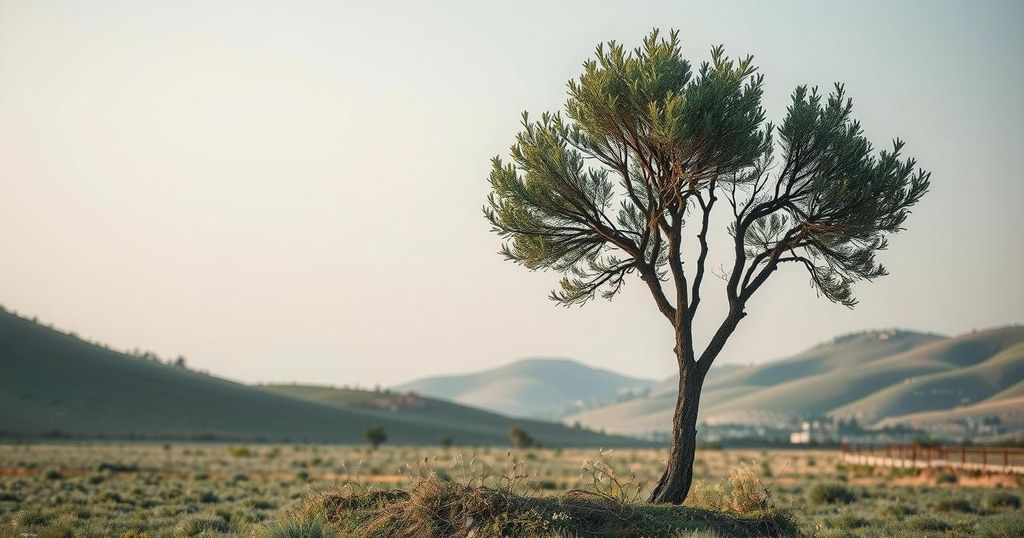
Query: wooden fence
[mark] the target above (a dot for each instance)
(969, 458)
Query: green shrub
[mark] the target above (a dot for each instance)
(196, 524)
(53, 474)
(29, 518)
(897, 511)
(926, 524)
(946, 478)
(1001, 499)
(848, 521)
(240, 451)
(829, 493)
(208, 497)
(835, 533)
(298, 528)
(953, 505)
(1002, 526)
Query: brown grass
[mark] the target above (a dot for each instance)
(437, 508)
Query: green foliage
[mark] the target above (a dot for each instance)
(293, 527)
(830, 493)
(848, 521)
(1003, 526)
(520, 438)
(646, 140)
(240, 451)
(1001, 499)
(376, 436)
(196, 524)
(29, 518)
(953, 505)
(926, 524)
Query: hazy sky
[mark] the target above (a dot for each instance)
(292, 190)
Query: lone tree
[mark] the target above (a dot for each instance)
(629, 182)
(520, 438)
(376, 436)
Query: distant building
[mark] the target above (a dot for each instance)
(813, 431)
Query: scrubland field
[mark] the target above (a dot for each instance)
(267, 490)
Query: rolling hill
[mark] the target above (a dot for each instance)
(530, 387)
(54, 384)
(870, 376)
(958, 386)
(1009, 411)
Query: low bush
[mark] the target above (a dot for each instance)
(926, 524)
(848, 521)
(1002, 526)
(897, 511)
(1001, 499)
(194, 525)
(742, 493)
(240, 451)
(298, 528)
(829, 493)
(953, 505)
(116, 467)
(30, 518)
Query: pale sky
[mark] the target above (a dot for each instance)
(292, 191)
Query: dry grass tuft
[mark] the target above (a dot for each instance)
(479, 506)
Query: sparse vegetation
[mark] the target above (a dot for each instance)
(1001, 499)
(286, 491)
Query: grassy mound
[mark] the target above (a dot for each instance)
(438, 508)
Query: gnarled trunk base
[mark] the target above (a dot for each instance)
(674, 485)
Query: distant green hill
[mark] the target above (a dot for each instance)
(56, 385)
(529, 387)
(1009, 411)
(954, 387)
(871, 376)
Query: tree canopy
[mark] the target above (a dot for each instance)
(646, 142)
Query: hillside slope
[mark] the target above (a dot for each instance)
(54, 384)
(1009, 411)
(872, 376)
(957, 387)
(529, 387)
(727, 382)
(442, 416)
(822, 394)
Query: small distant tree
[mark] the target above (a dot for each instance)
(628, 181)
(445, 442)
(520, 439)
(376, 436)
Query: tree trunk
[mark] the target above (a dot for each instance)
(674, 485)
